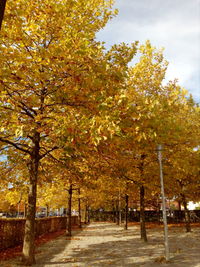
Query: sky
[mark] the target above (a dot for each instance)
(170, 24)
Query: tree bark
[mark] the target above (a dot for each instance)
(85, 213)
(142, 215)
(187, 214)
(158, 210)
(28, 257)
(69, 226)
(47, 210)
(79, 207)
(2, 11)
(25, 208)
(117, 212)
(179, 205)
(120, 212)
(88, 212)
(113, 212)
(126, 213)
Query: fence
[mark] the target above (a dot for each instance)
(12, 230)
(175, 216)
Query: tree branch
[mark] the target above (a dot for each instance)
(17, 146)
(48, 151)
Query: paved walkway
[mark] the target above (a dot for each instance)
(105, 244)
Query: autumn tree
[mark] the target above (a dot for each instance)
(183, 166)
(53, 73)
(156, 114)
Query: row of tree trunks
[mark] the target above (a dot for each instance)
(143, 232)
(87, 217)
(117, 214)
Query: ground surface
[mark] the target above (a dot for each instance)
(105, 244)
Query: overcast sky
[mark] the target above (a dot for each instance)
(172, 24)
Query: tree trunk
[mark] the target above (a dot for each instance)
(179, 205)
(88, 212)
(28, 256)
(2, 10)
(85, 214)
(187, 214)
(18, 209)
(120, 212)
(47, 210)
(142, 215)
(25, 209)
(69, 226)
(79, 207)
(126, 213)
(117, 213)
(158, 210)
(114, 212)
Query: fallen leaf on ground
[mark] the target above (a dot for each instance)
(178, 251)
(69, 260)
(73, 238)
(160, 259)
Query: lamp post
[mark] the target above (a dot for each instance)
(159, 149)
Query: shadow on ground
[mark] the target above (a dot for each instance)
(46, 252)
(125, 249)
(100, 245)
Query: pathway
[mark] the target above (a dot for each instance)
(105, 244)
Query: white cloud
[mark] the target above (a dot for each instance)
(172, 24)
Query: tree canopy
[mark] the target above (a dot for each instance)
(73, 113)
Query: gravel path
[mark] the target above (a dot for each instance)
(105, 244)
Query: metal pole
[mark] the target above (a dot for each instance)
(163, 204)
